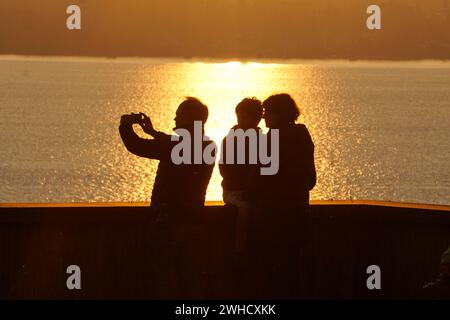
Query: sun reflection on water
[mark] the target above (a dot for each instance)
(222, 86)
(61, 143)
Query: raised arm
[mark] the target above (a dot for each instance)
(148, 148)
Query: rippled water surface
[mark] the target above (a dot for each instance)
(381, 130)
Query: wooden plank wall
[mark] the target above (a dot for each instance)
(121, 255)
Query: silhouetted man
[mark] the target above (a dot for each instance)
(178, 192)
(176, 185)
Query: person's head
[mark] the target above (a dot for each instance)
(190, 110)
(249, 113)
(280, 110)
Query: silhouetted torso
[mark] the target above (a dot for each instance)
(175, 185)
(237, 177)
(279, 228)
(296, 176)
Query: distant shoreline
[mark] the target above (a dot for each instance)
(155, 59)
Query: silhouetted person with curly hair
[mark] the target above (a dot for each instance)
(280, 224)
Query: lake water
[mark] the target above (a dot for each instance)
(381, 130)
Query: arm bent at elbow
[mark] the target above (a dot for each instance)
(138, 146)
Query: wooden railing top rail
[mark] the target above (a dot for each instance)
(220, 203)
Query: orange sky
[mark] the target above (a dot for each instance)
(228, 28)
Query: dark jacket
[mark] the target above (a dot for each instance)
(296, 175)
(175, 185)
(237, 177)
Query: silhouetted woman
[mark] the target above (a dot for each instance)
(281, 202)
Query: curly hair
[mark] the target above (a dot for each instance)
(283, 105)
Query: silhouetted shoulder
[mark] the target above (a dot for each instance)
(156, 148)
(297, 134)
(303, 130)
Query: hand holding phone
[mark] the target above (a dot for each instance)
(146, 124)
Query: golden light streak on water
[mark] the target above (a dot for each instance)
(380, 128)
(221, 86)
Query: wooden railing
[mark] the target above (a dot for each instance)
(116, 246)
